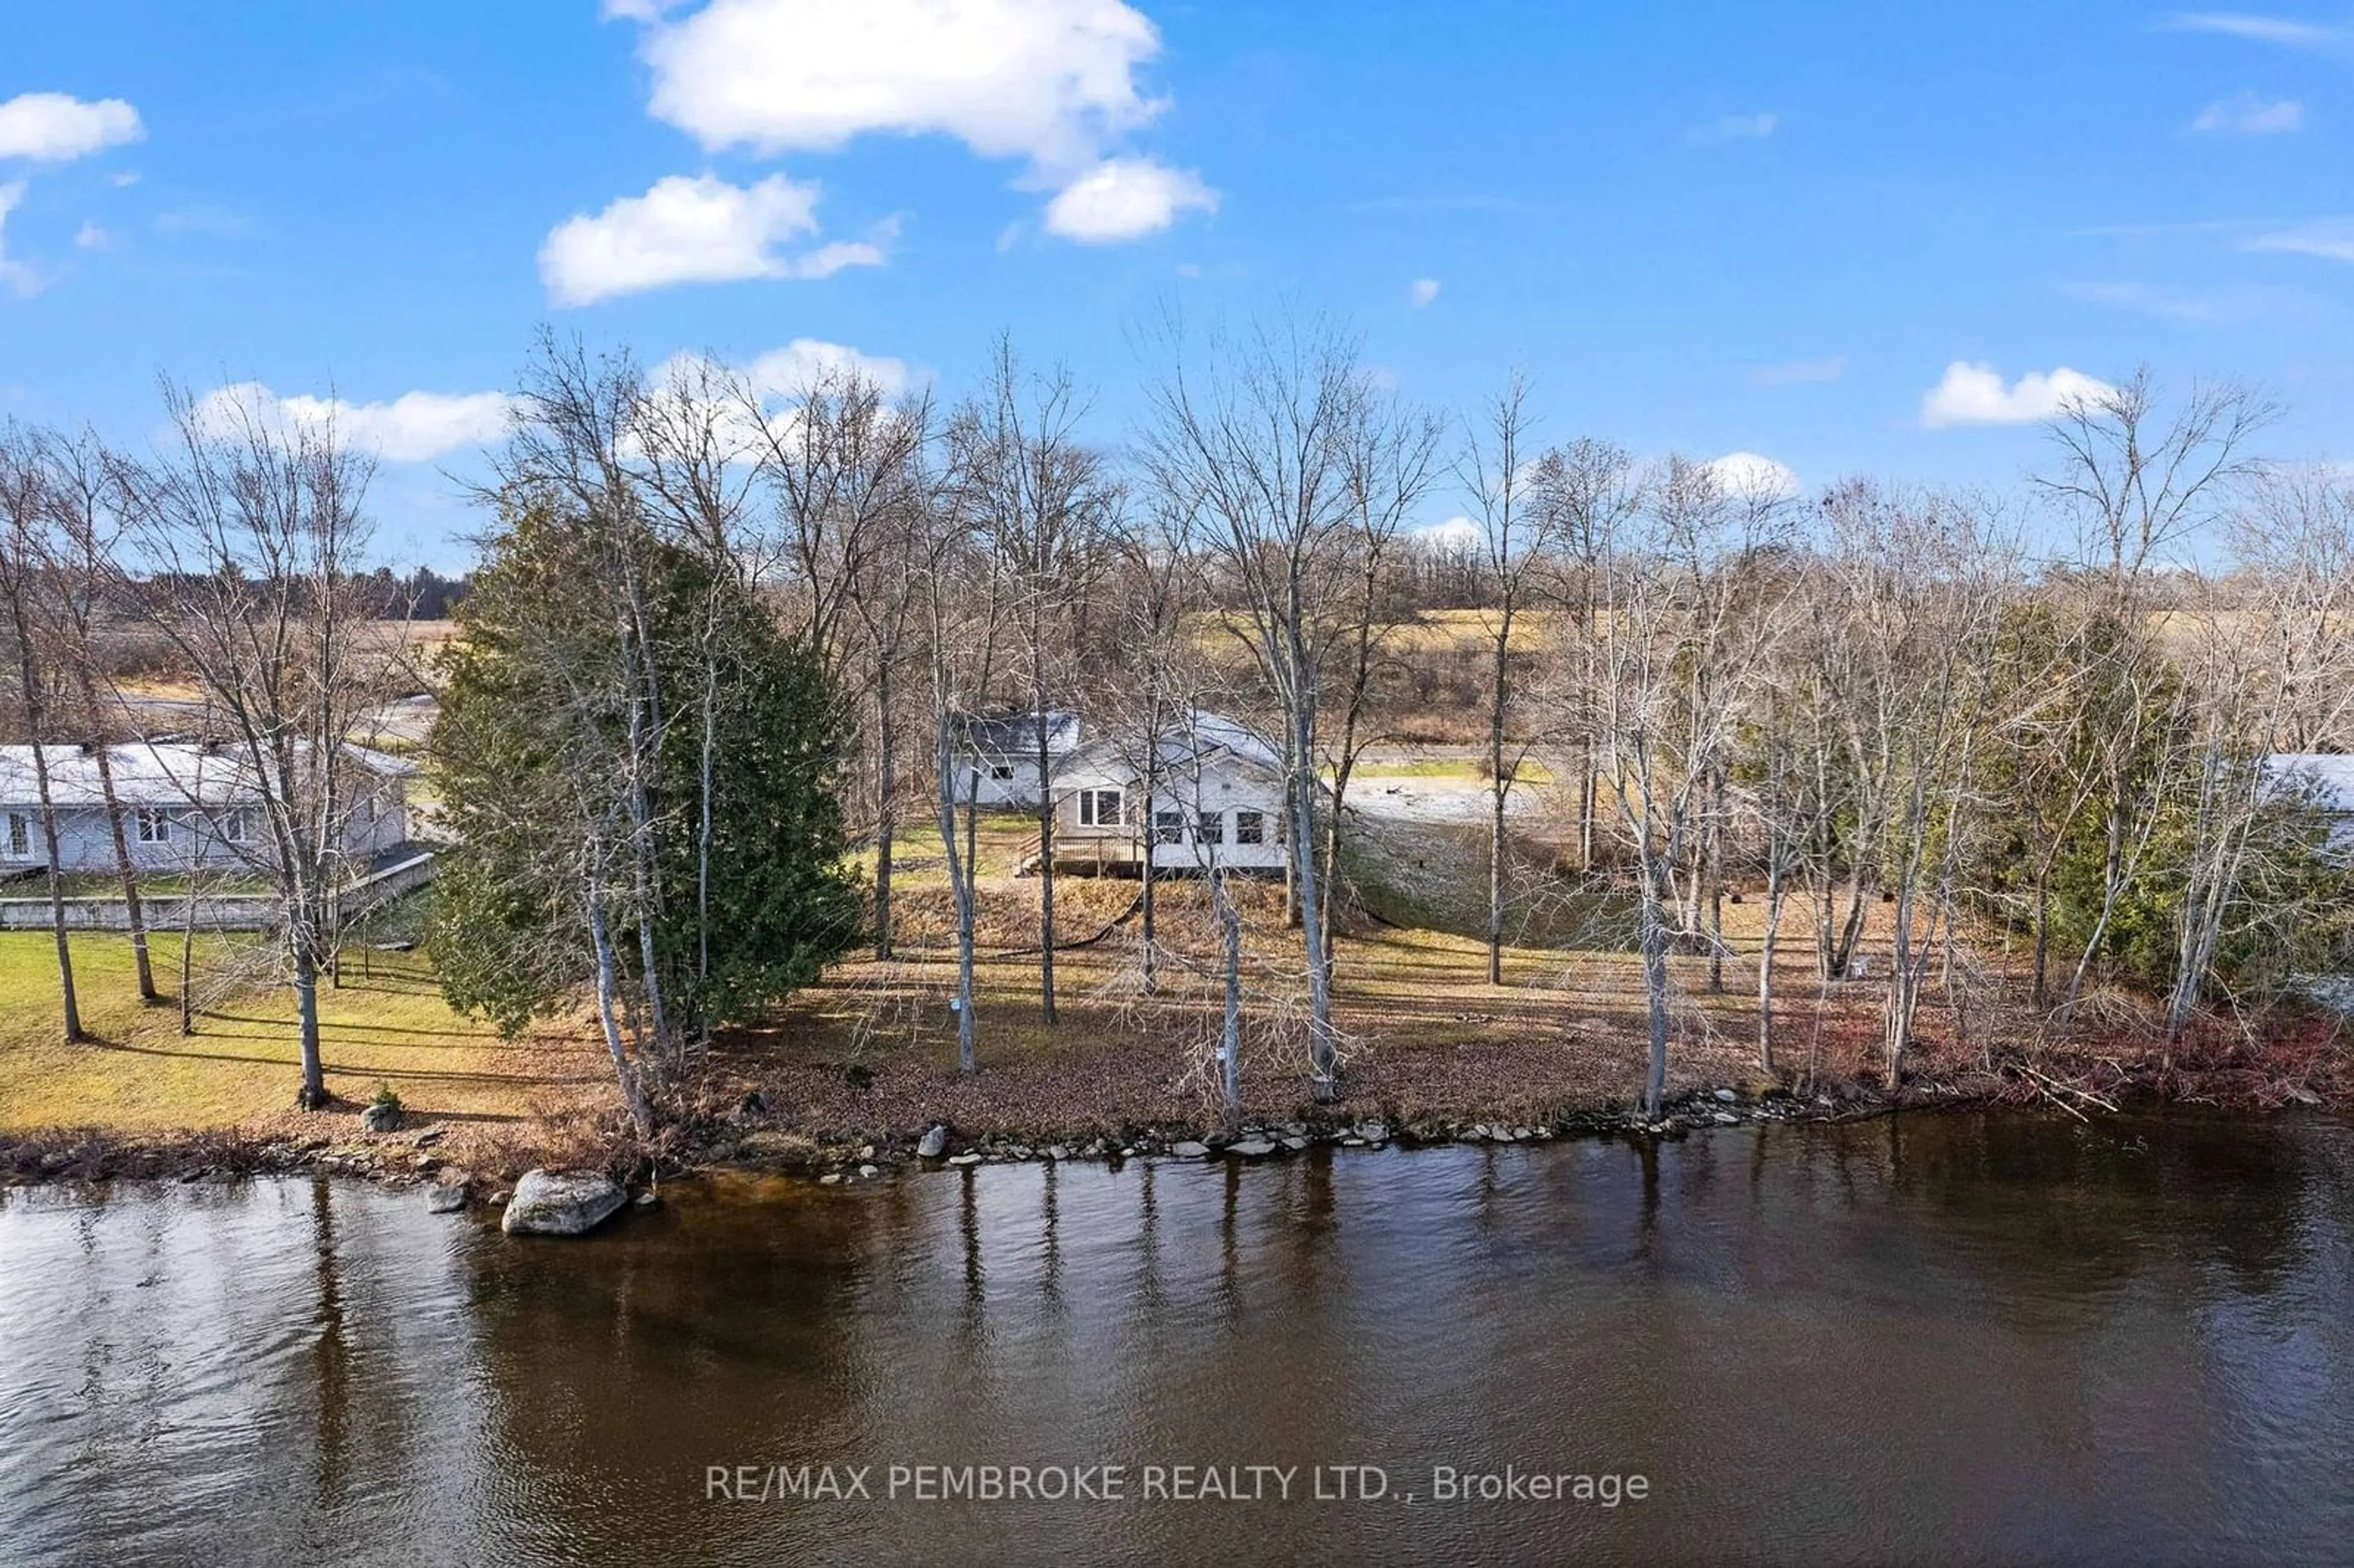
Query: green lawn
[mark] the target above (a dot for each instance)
(140, 1075)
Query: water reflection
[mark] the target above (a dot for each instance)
(1966, 1337)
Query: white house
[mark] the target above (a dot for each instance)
(2330, 777)
(997, 763)
(183, 806)
(1216, 799)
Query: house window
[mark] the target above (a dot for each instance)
(1169, 827)
(20, 836)
(1250, 828)
(154, 827)
(1210, 828)
(1001, 770)
(1098, 808)
(238, 826)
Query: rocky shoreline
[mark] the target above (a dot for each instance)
(752, 1139)
(835, 1161)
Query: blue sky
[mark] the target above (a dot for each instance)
(1706, 227)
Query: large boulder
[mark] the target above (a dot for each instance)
(934, 1143)
(561, 1203)
(384, 1116)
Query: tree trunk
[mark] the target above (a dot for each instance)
(1230, 1034)
(188, 959)
(1499, 784)
(959, 884)
(1773, 896)
(72, 1004)
(1323, 1046)
(703, 848)
(1904, 991)
(1496, 861)
(2043, 993)
(1588, 791)
(633, 1093)
(1716, 889)
(887, 816)
(1151, 839)
(1655, 989)
(1045, 868)
(127, 871)
(313, 1094)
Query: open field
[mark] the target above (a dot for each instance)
(1430, 632)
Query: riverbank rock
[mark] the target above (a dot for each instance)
(934, 1144)
(561, 1204)
(1250, 1148)
(1189, 1150)
(382, 1117)
(445, 1198)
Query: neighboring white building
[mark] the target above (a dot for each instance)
(1217, 799)
(183, 806)
(2330, 777)
(998, 762)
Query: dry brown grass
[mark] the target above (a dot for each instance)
(141, 1079)
(872, 1048)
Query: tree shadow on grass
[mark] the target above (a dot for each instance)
(340, 1027)
(346, 1069)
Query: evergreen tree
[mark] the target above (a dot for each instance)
(638, 770)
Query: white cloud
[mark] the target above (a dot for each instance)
(52, 127)
(1051, 81)
(413, 428)
(2331, 238)
(16, 277)
(90, 236)
(775, 381)
(791, 369)
(2246, 114)
(2314, 37)
(1749, 475)
(1126, 199)
(1454, 533)
(787, 371)
(697, 230)
(1975, 394)
(1735, 128)
(1423, 291)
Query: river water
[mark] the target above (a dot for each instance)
(1951, 1338)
